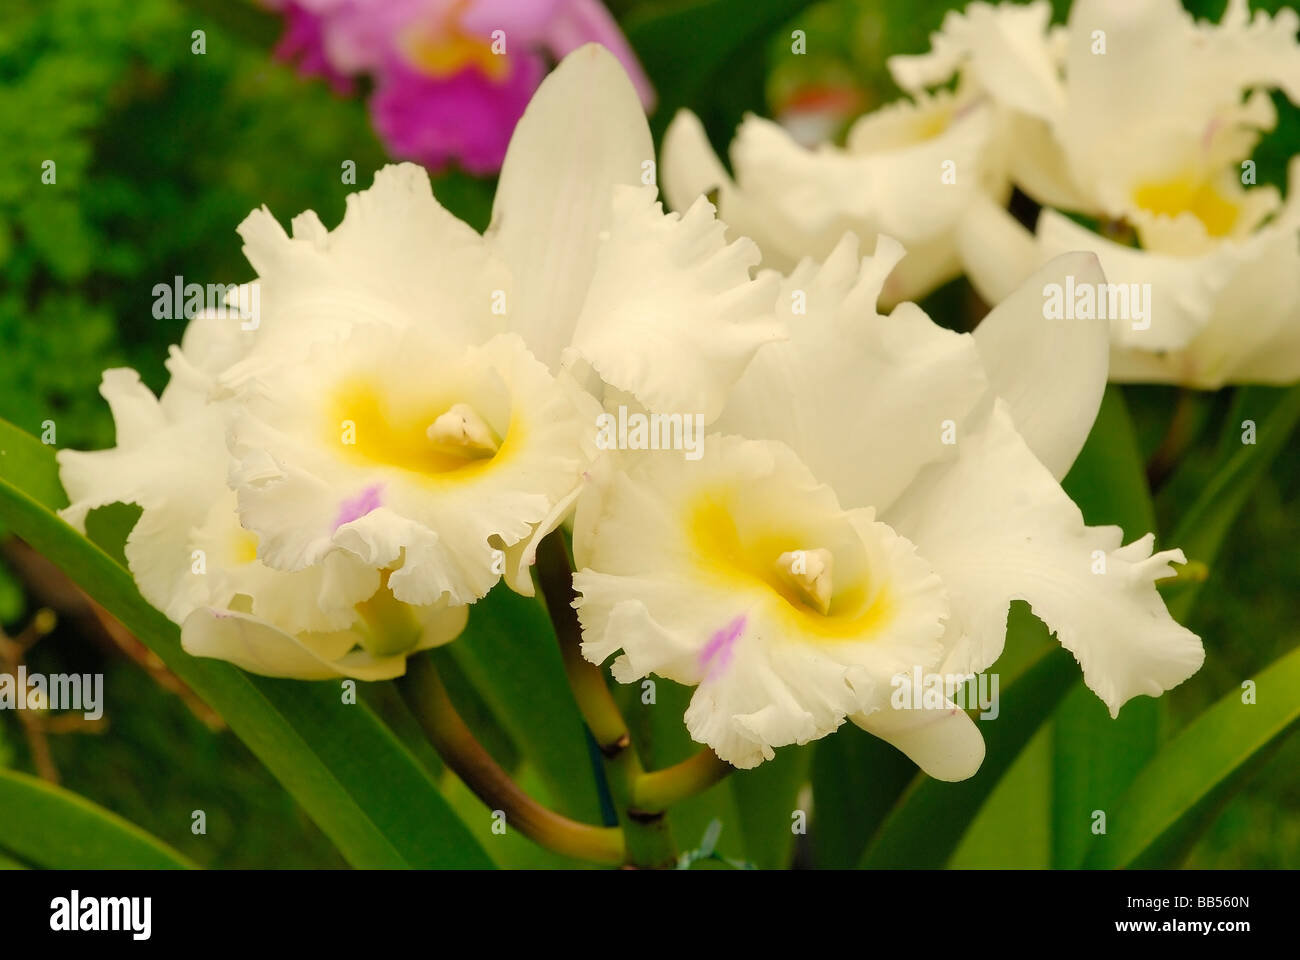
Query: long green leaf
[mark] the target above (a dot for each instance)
(50, 827)
(930, 819)
(857, 779)
(1180, 792)
(510, 653)
(364, 789)
(1201, 530)
(766, 798)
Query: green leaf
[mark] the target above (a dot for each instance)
(1108, 480)
(708, 56)
(1205, 525)
(1095, 760)
(363, 788)
(1095, 757)
(510, 653)
(54, 828)
(1180, 792)
(857, 779)
(925, 827)
(766, 799)
(1012, 830)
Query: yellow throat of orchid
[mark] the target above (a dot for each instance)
(432, 438)
(819, 597)
(1190, 194)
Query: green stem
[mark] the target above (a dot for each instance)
(649, 839)
(425, 694)
(663, 788)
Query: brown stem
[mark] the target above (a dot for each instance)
(424, 692)
(649, 839)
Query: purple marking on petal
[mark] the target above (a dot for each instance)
(716, 655)
(358, 506)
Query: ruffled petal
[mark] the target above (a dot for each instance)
(864, 400)
(410, 457)
(998, 527)
(673, 316)
(739, 574)
(398, 260)
(1005, 49)
(908, 172)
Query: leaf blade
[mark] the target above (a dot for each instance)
(1179, 793)
(48, 826)
(337, 760)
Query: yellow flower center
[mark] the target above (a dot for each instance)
(427, 437)
(1189, 194)
(782, 559)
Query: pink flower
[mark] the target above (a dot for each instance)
(451, 77)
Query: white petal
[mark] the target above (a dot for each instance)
(689, 167)
(1051, 372)
(944, 742)
(334, 454)
(398, 259)
(862, 399)
(583, 133)
(1182, 289)
(997, 252)
(895, 178)
(683, 573)
(1143, 109)
(998, 528)
(673, 316)
(1005, 49)
(260, 648)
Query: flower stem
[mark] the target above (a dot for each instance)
(649, 839)
(661, 789)
(425, 694)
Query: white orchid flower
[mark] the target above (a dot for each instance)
(908, 170)
(896, 488)
(193, 560)
(408, 398)
(1147, 127)
(399, 426)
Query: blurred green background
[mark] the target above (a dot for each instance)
(161, 153)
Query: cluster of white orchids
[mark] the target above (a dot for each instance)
(1132, 126)
(328, 494)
